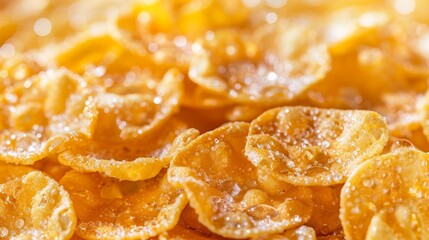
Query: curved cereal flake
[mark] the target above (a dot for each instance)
(389, 193)
(231, 197)
(404, 112)
(137, 108)
(34, 206)
(401, 110)
(314, 147)
(106, 49)
(383, 56)
(26, 148)
(407, 220)
(300, 233)
(162, 46)
(137, 160)
(44, 117)
(378, 228)
(164, 103)
(108, 208)
(407, 48)
(394, 42)
(260, 68)
(357, 34)
(135, 95)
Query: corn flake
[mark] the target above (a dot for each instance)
(135, 109)
(102, 52)
(231, 197)
(404, 115)
(236, 66)
(388, 193)
(132, 99)
(373, 53)
(35, 206)
(42, 115)
(405, 221)
(136, 160)
(312, 146)
(108, 208)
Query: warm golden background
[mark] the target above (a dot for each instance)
(205, 119)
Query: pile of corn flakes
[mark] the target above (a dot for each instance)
(212, 119)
